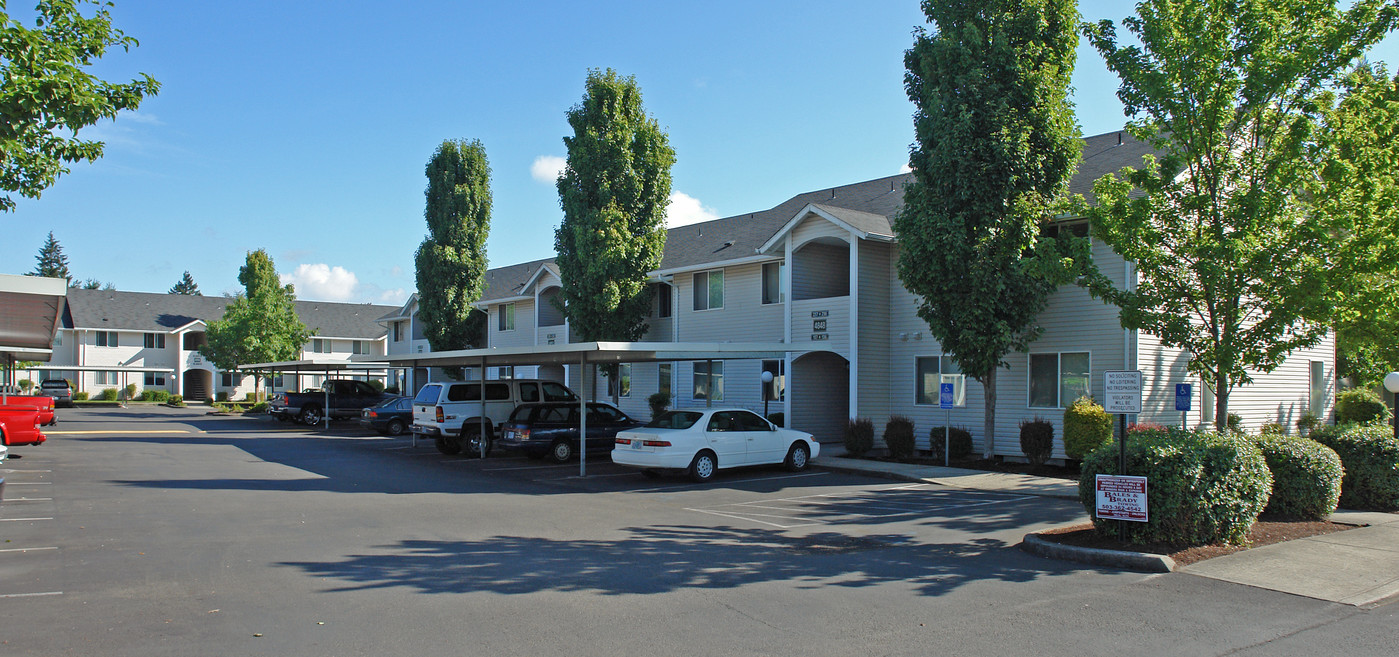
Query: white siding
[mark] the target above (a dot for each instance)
(522, 336)
(875, 269)
(744, 317)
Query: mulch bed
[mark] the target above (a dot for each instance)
(1264, 532)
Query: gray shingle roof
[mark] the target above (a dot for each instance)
(145, 311)
(509, 281)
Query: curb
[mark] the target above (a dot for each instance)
(895, 476)
(1140, 561)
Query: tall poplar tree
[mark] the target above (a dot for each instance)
(614, 193)
(996, 145)
(451, 262)
(51, 262)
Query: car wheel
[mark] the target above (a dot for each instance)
(448, 445)
(561, 451)
(703, 467)
(395, 427)
(310, 415)
(798, 457)
(472, 444)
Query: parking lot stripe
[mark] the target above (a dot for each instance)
(532, 467)
(31, 483)
(13, 471)
(28, 499)
(744, 517)
(32, 549)
(136, 432)
(21, 519)
(29, 595)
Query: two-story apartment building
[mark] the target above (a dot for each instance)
(821, 268)
(109, 339)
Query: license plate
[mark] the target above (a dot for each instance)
(636, 444)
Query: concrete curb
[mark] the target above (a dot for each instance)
(1140, 561)
(941, 481)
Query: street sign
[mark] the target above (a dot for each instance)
(1182, 396)
(945, 394)
(1121, 498)
(1122, 392)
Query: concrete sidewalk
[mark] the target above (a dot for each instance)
(1357, 567)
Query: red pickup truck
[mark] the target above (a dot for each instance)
(19, 425)
(45, 405)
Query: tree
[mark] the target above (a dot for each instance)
(1236, 263)
(47, 97)
(451, 262)
(259, 325)
(614, 193)
(94, 284)
(52, 263)
(186, 286)
(996, 144)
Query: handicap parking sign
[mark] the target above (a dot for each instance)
(945, 395)
(1182, 396)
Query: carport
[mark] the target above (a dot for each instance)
(592, 353)
(314, 366)
(30, 308)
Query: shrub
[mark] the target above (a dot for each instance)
(391, 390)
(658, 402)
(155, 395)
(1360, 406)
(1234, 422)
(260, 407)
(25, 384)
(1203, 487)
(1273, 429)
(222, 395)
(779, 418)
(959, 440)
(1306, 476)
(1308, 423)
(177, 400)
(1037, 440)
(1144, 426)
(899, 437)
(80, 396)
(377, 385)
(1086, 427)
(130, 390)
(107, 394)
(1370, 455)
(859, 436)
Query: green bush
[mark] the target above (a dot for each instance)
(1235, 422)
(1360, 406)
(130, 390)
(260, 407)
(1306, 477)
(222, 395)
(959, 440)
(859, 436)
(779, 418)
(152, 395)
(1202, 487)
(108, 394)
(899, 437)
(658, 402)
(177, 400)
(1370, 455)
(1086, 428)
(1308, 423)
(391, 390)
(80, 396)
(1273, 429)
(25, 384)
(1037, 440)
(377, 385)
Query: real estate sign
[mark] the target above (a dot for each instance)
(1121, 498)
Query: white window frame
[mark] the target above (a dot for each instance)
(107, 339)
(709, 378)
(1317, 406)
(781, 267)
(622, 386)
(152, 379)
(505, 317)
(665, 378)
(1058, 377)
(708, 289)
(934, 397)
(320, 345)
(154, 341)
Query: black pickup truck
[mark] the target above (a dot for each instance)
(339, 398)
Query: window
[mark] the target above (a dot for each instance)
(777, 390)
(320, 346)
(931, 372)
(155, 340)
(359, 347)
(707, 381)
(228, 380)
(106, 338)
(664, 300)
(1317, 398)
(505, 373)
(155, 378)
(274, 381)
(58, 339)
(1206, 404)
(507, 317)
(105, 378)
(664, 375)
(772, 282)
(621, 387)
(398, 331)
(529, 392)
(1056, 380)
(709, 290)
(1065, 228)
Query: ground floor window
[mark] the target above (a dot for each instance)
(105, 378)
(1056, 380)
(1317, 401)
(229, 380)
(709, 384)
(621, 385)
(505, 373)
(933, 371)
(777, 390)
(664, 374)
(1206, 404)
(155, 379)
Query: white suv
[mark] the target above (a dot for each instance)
(453, 413)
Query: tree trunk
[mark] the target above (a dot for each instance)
(989, 428)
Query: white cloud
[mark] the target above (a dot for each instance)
(547, 168)
(394, 297)
(906, 168)
(685, 210)
(323, 282)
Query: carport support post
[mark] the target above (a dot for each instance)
(709, 385)
(583, 415)
(481, 437)
(325, 410)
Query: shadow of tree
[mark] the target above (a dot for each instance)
(661, 559)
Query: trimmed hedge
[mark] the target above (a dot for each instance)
(1370, 455)
(151, 395)
(1202, 487)
(1360, 406)
(1087, 426)
(107, 394)
(899, 437)
(1306, 477)
(959, 439)
(1037, 440)
(859, 436)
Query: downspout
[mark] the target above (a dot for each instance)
(787, 369)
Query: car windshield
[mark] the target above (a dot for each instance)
(521, 413)
(388, 403)
(675, 420)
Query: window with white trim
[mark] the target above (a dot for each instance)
(1056, 380)
(359, 347)
(320, 346)
(772, 282)
(709, 290)
(155, 341)
(155, 379)
(930, 372)
(664, 374)
(398, 331)
(506, 317)
(106, 338)
(664, 299)
(707, 381)
(104, 378)
(1317, 396)
(621, 387)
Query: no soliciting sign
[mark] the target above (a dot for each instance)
(1121, 497)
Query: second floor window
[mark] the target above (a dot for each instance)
(663, 300)
(398, 331)
(507, 317)
(155, 340)
(772, 283)
(709, 290)
(320, 346)
(106, 338)
(359, 347)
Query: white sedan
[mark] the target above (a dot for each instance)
(700, 442)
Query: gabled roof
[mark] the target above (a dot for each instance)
(162, 313)
(404, 311)
(32, 309)
(509, 282)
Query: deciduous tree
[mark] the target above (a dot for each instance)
(260, 324)
(451, 262)
(996, 144)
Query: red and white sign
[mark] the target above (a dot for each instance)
(1121, 497)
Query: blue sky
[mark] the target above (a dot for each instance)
(304, 127)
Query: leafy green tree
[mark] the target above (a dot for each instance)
(996, 144)
(259, 325)
(186, 286)
(52, 263)
(1235, 262)
(47, 96)
(451, 262)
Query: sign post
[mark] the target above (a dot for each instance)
(1123, 392)
(1183, 402)
(945, 400)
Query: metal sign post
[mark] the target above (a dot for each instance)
(945, 399)
(1123, 392)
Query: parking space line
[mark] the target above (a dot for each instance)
(21, 519)
(594, 476)
(762, 522)
(28, 499)
(32, 549)
(123, 432)
(29, 595)
(31, 483)
(531, 467)
(13, 471)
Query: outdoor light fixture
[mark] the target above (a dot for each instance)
(767, 392)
